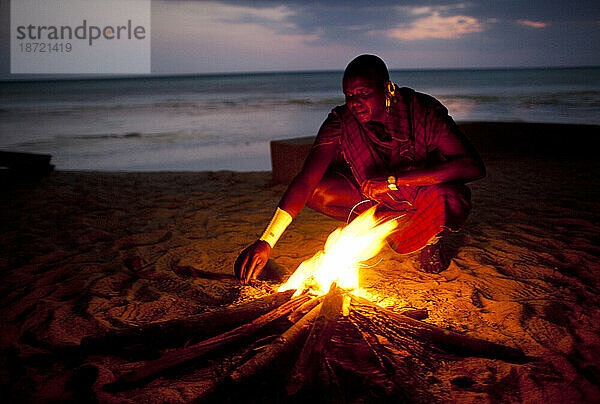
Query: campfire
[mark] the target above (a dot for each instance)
(327, 337)
(345, 250)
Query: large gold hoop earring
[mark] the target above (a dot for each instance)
(390, 93)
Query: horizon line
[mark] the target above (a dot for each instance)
(92, 76)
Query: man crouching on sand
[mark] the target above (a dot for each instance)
(390, 146)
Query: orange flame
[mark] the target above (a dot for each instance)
(345, 249)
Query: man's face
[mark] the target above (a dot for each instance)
(365, 99)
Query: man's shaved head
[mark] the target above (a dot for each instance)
(368, 67)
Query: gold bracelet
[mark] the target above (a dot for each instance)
(392, 183)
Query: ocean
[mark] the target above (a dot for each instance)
(225, 122)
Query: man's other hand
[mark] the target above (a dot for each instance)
(251, 261)
(375, 188)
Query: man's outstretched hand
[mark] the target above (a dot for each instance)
(251, 261)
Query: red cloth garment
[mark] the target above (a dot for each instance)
(414, 128)
(435, 208)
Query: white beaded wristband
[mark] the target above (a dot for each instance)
(279, 222)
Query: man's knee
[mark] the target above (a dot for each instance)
(455, 199)
(319, 199)
(456, 194)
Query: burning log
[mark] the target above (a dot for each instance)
(181, 329)
(307, 364)
(176, 357)
(305, 308)
(279, 348)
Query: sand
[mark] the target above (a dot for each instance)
(85, 252)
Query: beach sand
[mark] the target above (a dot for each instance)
(86, 252)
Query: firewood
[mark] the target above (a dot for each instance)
(280, 348)
(181, 329)
(449, 341)
(346, 301)
(176, 357)
(417, 314)
(312, 352)
(305, 308)
(404, 361)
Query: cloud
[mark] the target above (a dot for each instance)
(436, 26)
(250, 15)
(532, 24)
(421, 10)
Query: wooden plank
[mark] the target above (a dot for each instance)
(287, 157)
(173, 358)
(26, 164)
(489, 139)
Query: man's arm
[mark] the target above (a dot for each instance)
(459, 164)
(458, 160)
(303, 185)
(463, 168)
(253, 259)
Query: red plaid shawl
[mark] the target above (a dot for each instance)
(417, 123)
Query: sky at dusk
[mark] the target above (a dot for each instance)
(242, 36)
